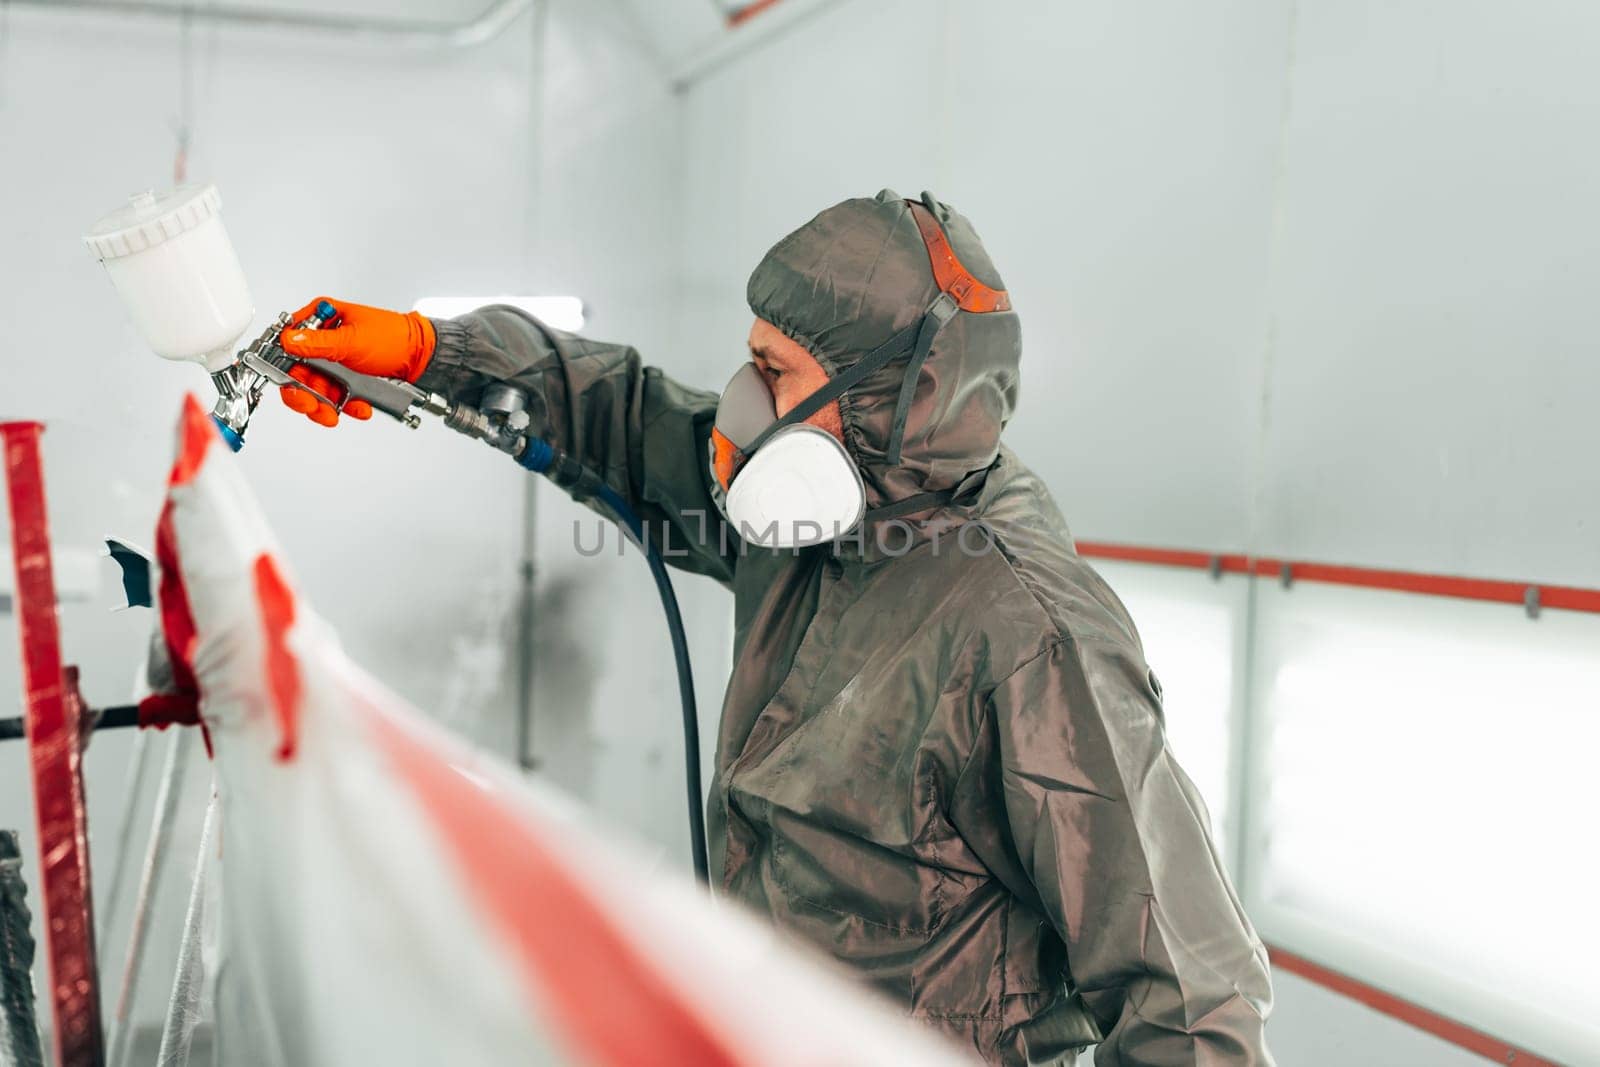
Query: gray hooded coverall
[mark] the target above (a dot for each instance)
(942, 757)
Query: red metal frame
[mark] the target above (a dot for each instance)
(55, 754)
(1432, 1022)
(1569, 598)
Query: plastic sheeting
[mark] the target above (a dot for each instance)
(388, 896)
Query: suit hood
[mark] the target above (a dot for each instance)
(849, 280)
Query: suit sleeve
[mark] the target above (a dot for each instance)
(1115, 840)
(642, 432)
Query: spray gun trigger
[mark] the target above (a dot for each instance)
(336, 405)
(277, 376)
(392, 396)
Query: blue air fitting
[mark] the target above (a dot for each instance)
(234, 439)
(579, 481)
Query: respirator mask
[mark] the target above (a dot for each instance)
(784, 484)
(779, 482)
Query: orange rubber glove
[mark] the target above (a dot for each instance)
(388, 344)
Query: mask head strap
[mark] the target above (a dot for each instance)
(958, 291)
(933, 320)
(968, 292)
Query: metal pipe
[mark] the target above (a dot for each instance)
(478, 30)
(178, 1033)
(139, 764)
(14, 729)
(527, 585)
(532, 238)
(155, 857)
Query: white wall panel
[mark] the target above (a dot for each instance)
(1433, 383)
(1117, 160)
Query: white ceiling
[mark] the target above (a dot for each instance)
(683, 35)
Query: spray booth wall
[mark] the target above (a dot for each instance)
(380, 175)
(1277, 297)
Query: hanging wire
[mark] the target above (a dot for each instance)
(196, 69)
(185, 130)
(5, 46)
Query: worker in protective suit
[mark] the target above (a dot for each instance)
(942, 757)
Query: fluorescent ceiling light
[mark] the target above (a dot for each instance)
(560, 312)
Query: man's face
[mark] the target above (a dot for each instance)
(792, 374)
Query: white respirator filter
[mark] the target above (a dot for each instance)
(798, 489)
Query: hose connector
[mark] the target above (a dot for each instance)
(579, 481)
(234, 439)
(538, 456)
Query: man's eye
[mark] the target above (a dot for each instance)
(772, 373)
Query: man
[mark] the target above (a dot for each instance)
(942, 757)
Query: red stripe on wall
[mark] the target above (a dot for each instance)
(1167, 557)
(1414, 1014)
(1565, 597)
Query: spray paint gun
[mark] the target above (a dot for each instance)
(170, 259)
(264, 363)
(501, 420)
